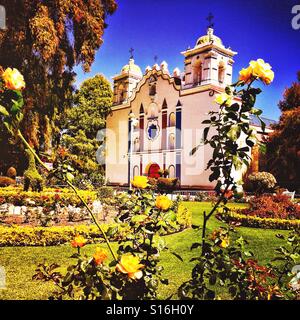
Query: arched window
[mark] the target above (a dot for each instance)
(221, 72)
(197, 73)
(121, 93)
(172, 141)
(153, 110)
(172, 173)
(136, 145)
(152, 90)
(172, 120)
(136, 171)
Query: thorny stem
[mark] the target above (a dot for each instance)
(20, 135)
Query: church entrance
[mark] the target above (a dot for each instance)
(153, 171)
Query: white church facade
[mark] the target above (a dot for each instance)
(157, 116)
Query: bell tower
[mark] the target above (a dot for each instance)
(126, 81)
(209, 62)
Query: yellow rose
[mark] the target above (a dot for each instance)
(224, 243)
(140, 182)
(262, 70)
(163, 203)
(246, 75)
(130, 265)
(223, 98)
(223, 239)
(78, 242)
(100, 255)
(268, 77)
(13, 79)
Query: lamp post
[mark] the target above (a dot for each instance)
(133, 123)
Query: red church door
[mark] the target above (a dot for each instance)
(153, 171)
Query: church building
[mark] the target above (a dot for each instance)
(157, 116)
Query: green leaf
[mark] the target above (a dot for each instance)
(139, 218)
(234, 133)
(177, 256)
(69, 176)
(4, 111)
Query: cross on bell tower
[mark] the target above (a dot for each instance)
(210, 21)
(131, 53)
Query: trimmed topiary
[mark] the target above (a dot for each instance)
(261, 182)
(12, 173)
(32, 178)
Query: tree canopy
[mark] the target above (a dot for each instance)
(81, 123)
(45, 40)
(283, 146)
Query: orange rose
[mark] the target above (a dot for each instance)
(100, 255)
(13, 79)
(131, 266)
(78, 242)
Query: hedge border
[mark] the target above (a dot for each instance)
(257, 222)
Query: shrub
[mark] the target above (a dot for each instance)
(167, 184)
(104, 193)
(6, 181)
(32, 178)
(277, 206)
(184, 216)
(261, 182)
(11, 173)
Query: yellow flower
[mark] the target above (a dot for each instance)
(224, 243)
(140, 182)
(78, 242)
(100, 255)
(221, 237)
(163, 203)
(13, 79)
(262, 70)
(246, 74)
(268, 77)
(223, 98)
(131, 266)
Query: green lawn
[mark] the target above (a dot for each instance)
(20, 262)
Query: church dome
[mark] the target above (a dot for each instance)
(132, 68)
(208, 38)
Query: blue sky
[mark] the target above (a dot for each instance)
(253, 28)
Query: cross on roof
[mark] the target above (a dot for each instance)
(210, 20)
(155, 58)
(131, 53)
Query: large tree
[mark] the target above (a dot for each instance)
(283, 146)
(81, 123)
(45, 39)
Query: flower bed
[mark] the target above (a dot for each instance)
(277, 206)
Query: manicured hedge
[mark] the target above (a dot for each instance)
(50, 236)
(48, 197)
(257, 222)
